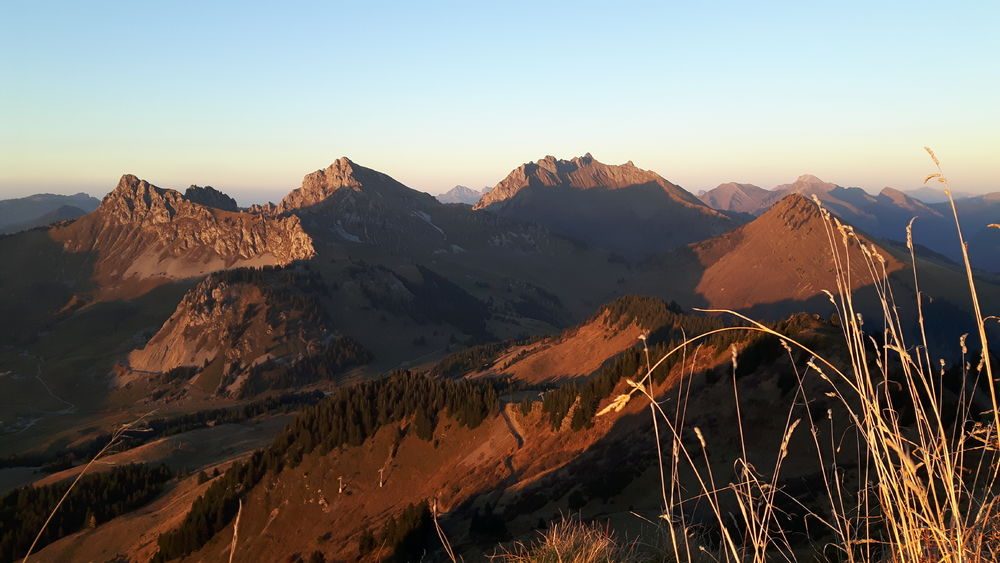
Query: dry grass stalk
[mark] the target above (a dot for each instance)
(116, 438)
(926, 491)
(236, 532)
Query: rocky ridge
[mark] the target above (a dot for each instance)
(619, 208)
(582, 172)
(142, 231)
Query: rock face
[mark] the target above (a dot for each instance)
(142, 232)
(210, 197)
(239, 333)
(346, 202)
(622, 208)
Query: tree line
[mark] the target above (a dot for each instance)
(668, 326)
(348, 417)
(341, 353)
(96, 498)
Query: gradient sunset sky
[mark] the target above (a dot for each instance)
(249, 97)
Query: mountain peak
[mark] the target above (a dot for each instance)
(794, 204)
(807, 184)
(894, 195)
(346, 175)
(782, 255)
(808, 179)
(346, 178)
(581, 172)
(590, 201)
(734, 196)
(462, 194)
(128, 183)
(142, 232)
(135, 200)
(321, 184)
(902, 201)
(791, 212)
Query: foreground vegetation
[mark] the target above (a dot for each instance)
(576, 541)
(666, 326)
(927, 457)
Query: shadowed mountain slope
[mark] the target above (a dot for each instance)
(621, 208)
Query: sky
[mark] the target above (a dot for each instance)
(249, 97)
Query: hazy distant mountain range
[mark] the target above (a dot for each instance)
(885, 215)
(43, 209)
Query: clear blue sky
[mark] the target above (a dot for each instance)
(249, 97)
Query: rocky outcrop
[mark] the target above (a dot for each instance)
(143, 232)
(348, 203)
(211, 197)
(242, 332)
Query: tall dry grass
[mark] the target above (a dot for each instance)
(925, 489)
(572, 540)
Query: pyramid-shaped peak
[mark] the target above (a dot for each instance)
(131, 187)
(129, 183)
(128, 179)
(135, 200)
(794, 207)
(345, 174)
(807, 184)
(342, 162)
(809, 179)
